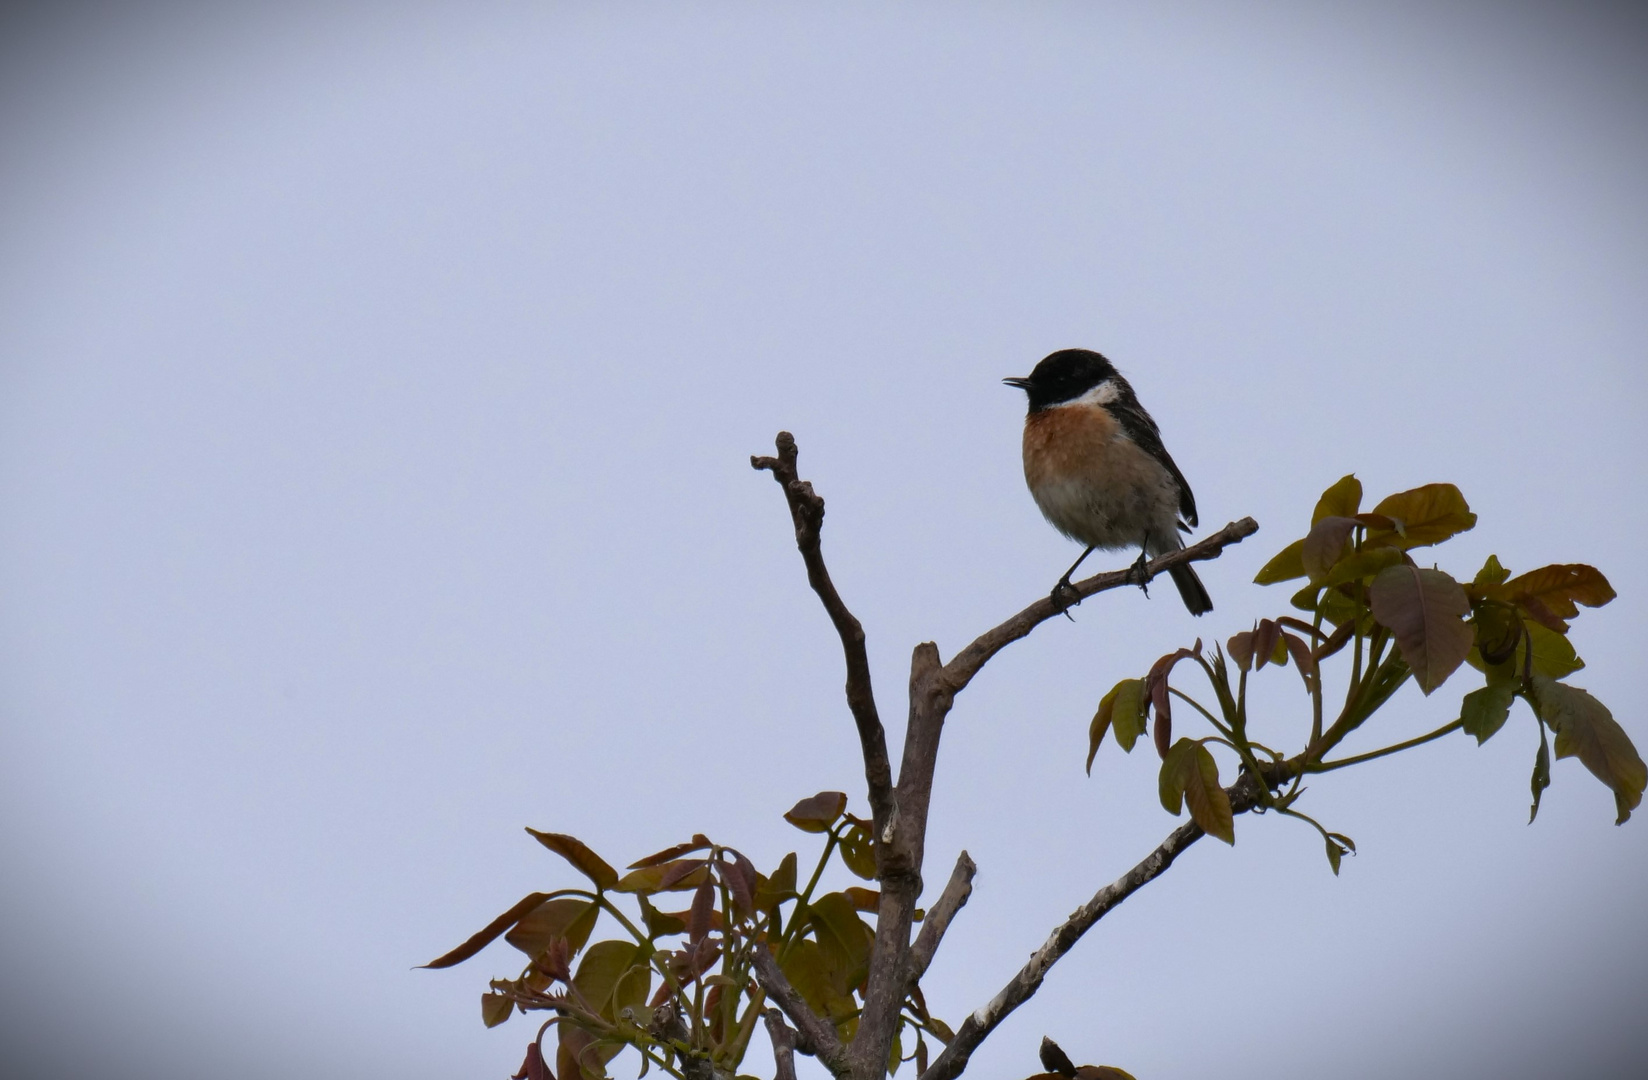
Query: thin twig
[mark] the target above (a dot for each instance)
(807, 512)
(950, 901)
(1244, 795)
(817, 1037)
(783, 1044)
(965, 664)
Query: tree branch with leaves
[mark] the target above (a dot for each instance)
(837, 974)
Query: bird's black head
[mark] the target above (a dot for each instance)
(1063, 376)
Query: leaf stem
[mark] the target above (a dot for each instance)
(1329, 766)
(1194, 704)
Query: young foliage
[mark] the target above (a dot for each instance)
(1366, 597)
(678, 986)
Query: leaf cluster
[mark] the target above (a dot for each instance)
(677, 983)
(1366, 596)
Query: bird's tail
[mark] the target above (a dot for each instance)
(1191, 589)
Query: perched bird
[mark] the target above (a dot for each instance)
(1096, 466)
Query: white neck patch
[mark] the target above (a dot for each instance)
(1102, 394)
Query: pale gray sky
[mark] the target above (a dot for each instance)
(377, 384)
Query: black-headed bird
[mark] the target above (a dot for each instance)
(1096, 466)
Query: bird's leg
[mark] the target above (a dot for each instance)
(1139, 572)
(1063, 589)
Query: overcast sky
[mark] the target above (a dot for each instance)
(377, 386)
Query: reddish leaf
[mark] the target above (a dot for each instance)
(1587, 730)
(703, 906)
(1240, 647)
(740, 878)
(575, 852)
(1302, 658)
(1267, 644)
(1155, 692)
(1325, 545)
(1423, 610)
(818, 813)
(486, 936)
(698, 843)
(1553, 593)
(534, 1067)
(565, 917)
(683, 874)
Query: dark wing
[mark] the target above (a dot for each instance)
(1138, 426)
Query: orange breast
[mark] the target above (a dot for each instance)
(1067, 443)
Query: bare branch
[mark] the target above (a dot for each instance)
(1244, 796)
(967, 663)
(807, 511)
(816, 1036)
(900, 851)
(950, 901)
(783, 1044)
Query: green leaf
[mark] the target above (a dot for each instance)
(488, 934)
(1423, 609)
(495, 1009)
(1126, 701)
(1553, 653)
(1325, 545)
(1587, 730)
(1127, 717)
(844, 938)
(858, 852)
(1423, 516)
(1542, 774)
(1364, 565)
(581, 857)
(778, 888)
(603, 965)
(819, 812)
(1338, 845)
(1286, 566)
(564, 917)
(1491, 574)
(1484, 711)
(1190, 777)
(659, 923)
(826, 990)
(1497, 629)
(1343, 499)
(631, 990)
(579, 1054)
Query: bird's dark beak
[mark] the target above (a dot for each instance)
(1021, 383)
